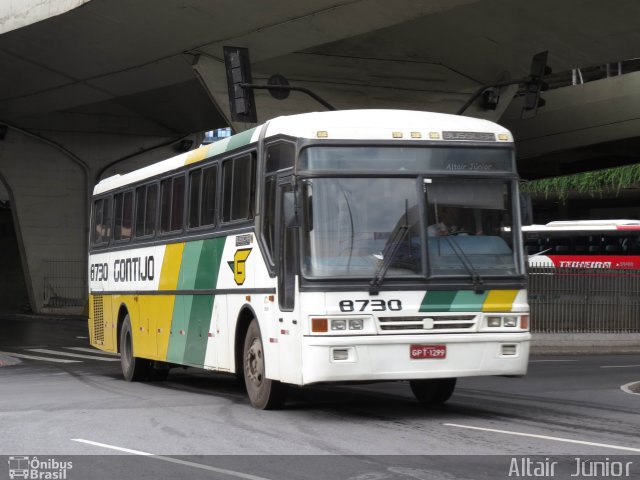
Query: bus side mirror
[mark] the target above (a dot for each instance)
(289, 210)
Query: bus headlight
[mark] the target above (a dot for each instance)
(494, 322)
(510, 321)
(338, 324)
(356, 324)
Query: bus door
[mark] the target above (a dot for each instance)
(287, 311)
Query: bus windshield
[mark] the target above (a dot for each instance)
(351, 224)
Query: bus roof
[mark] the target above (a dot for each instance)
(584, 225)
(332, 125)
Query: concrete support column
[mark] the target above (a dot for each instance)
(49, 195)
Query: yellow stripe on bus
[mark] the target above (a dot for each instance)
(162, 306)
(196, 155)
(499, 301)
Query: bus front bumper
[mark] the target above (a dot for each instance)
(388, 357)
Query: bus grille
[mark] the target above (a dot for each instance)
(98, 319)
(428, 324)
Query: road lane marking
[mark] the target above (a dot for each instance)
(545, 437)
(627, 388)
(620, 366)
(224, 471)
(91, 350)
(33, 357)
(75, 355)
(549, 361)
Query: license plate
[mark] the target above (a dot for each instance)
(428, 351)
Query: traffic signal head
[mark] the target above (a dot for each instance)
(241, 100)
(536, 84)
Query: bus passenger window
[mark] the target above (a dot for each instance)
(102, 221)
(146, 199)
(171, 204)
(202, 197)
(238, 179)
(123, 216)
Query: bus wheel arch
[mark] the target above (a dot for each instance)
(122, 314)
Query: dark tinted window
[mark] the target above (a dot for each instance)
(123, 216)
(202, 197)
(101, 221)
(238, 188)
(146, 210)
(172, 204)
(280, 156)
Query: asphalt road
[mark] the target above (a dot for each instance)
(68, 401)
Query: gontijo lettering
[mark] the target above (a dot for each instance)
(133, 269)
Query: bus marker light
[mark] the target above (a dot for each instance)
(416, 135)
(396, 134)
(503, 136)
(272, 298)
(510, 321)
(248, 298)
(434, 135)
(340, 354)
(524, 322)
(210, 335)
(319, 325)
(181, 332)
(356, 324)
(509, 350)
(494, 322)
(322, 134)
(273, 340)
(338, 324)
(284, 332)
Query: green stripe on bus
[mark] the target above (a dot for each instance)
(192, 313)
(241, 139)
(469, 301)
(438, 301)
(453, 301)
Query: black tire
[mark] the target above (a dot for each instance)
(134, 369)
(433, 392)
(263, 393)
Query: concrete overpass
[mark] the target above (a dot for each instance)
(91, 87)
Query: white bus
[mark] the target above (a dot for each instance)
(364, 245)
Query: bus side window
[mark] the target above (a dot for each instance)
(279, 156)
(238, 180)
(123, 216)
(202, 196)
(171, 204)
(102, 221)
(146, 208)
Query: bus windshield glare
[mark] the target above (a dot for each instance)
(464, 225)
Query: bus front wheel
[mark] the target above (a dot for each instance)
(133, 368)
(433, 392)
(263, 393)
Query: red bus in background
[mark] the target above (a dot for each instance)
(601, 244)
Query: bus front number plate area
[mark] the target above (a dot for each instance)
(427, 351)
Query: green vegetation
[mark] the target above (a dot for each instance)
(599, 182)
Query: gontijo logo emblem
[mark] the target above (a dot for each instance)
(238, 265)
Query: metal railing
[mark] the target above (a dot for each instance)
(65, 283)
(578, 300)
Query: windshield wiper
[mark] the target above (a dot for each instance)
(473, 273)
(388, 256)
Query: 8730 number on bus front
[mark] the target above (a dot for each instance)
(376, 305)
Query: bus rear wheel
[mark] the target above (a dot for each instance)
(433, 392)
(263, 393)
(133, 369)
